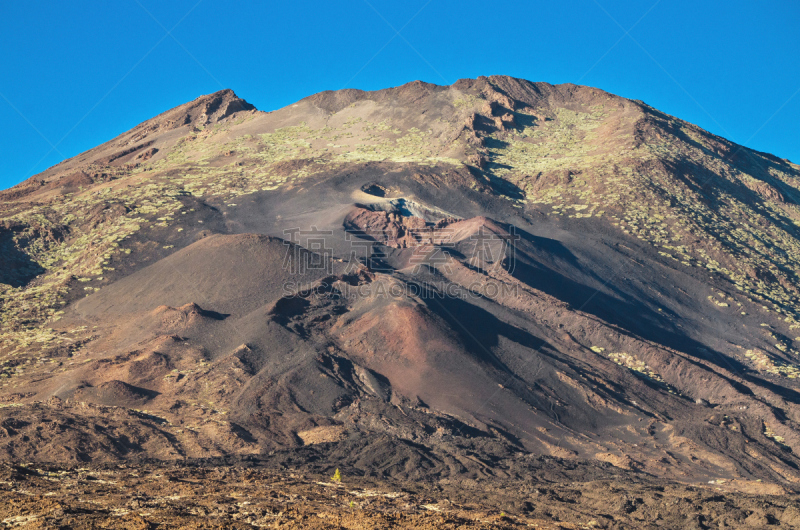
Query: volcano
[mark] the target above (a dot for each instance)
(422, 283)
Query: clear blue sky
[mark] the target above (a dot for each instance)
(75, 74)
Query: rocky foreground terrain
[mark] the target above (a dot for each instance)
(493, 304)
(227, 494)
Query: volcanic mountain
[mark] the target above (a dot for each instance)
(423, 281)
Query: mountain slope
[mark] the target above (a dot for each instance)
(551, 270)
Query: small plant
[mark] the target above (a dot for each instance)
(337, 476)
